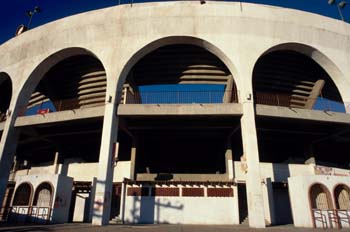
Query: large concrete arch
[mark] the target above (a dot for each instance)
(42, 68)
(172, 40)
(321, 59)
(238, 34)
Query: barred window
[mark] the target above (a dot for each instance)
(342, 199)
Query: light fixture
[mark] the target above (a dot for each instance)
(340, 6)
(202, 2)
(30, 14)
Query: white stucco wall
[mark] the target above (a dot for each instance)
(182, 210)
(276, 171)
(299, 196)
(61, 196)
(118, 36)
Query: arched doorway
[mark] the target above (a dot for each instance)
(21, 203)
(342, 204)
(42, 203)
(23, 195)
(320, 197)
(320, 205)
(43, 195)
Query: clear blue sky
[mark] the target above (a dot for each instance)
(13, 11)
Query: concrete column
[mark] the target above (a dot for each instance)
(229, 161)
(8, 145)
(55, 162)
(268, 202)
(228, 90)
(104, 183)
(133, 160)
(250, 148)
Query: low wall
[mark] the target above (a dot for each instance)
(300, 201)
(181, 205)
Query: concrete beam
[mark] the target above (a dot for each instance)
(62, 116)
(303, 114)
(229, 109)
(183, 177)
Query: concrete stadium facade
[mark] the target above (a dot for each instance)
(117, 41)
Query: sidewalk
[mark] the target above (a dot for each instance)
(146, 228)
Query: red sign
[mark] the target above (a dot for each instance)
(43, 111)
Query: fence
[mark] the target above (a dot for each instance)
(303, 103)
(28, 214)
(187, 97)
(179, 97)
(333, 218)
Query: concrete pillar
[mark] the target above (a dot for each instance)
(228, 90)
(55, 162)
(133, 160)
(8, 145)
(268, 202)
(104, 183)
(229, 161)
(250, 148)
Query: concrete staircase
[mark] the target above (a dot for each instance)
(116, 220)
(245, 221)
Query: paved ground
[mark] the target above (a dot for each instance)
(146, 228)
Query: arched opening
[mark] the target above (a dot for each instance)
(179, 70)
(342, 197)
(320, 197)
(22, 195)
(43, 195)
(73, 83)
(179, 74)
(289, 76)
(69, 81)
(5, 95)
(291, 79)
(320, 205)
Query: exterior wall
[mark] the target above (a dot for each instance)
(62, 199)
(79, 171)
(299, 195)
(61, 195)
(81, 207)
(275, 171)
(120, 36)
(182, 210)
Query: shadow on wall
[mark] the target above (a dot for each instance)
(280, 194)
(147, 207)
(24, 215)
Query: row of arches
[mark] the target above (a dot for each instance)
(25, 195)
(330, 209)
(282, 76)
